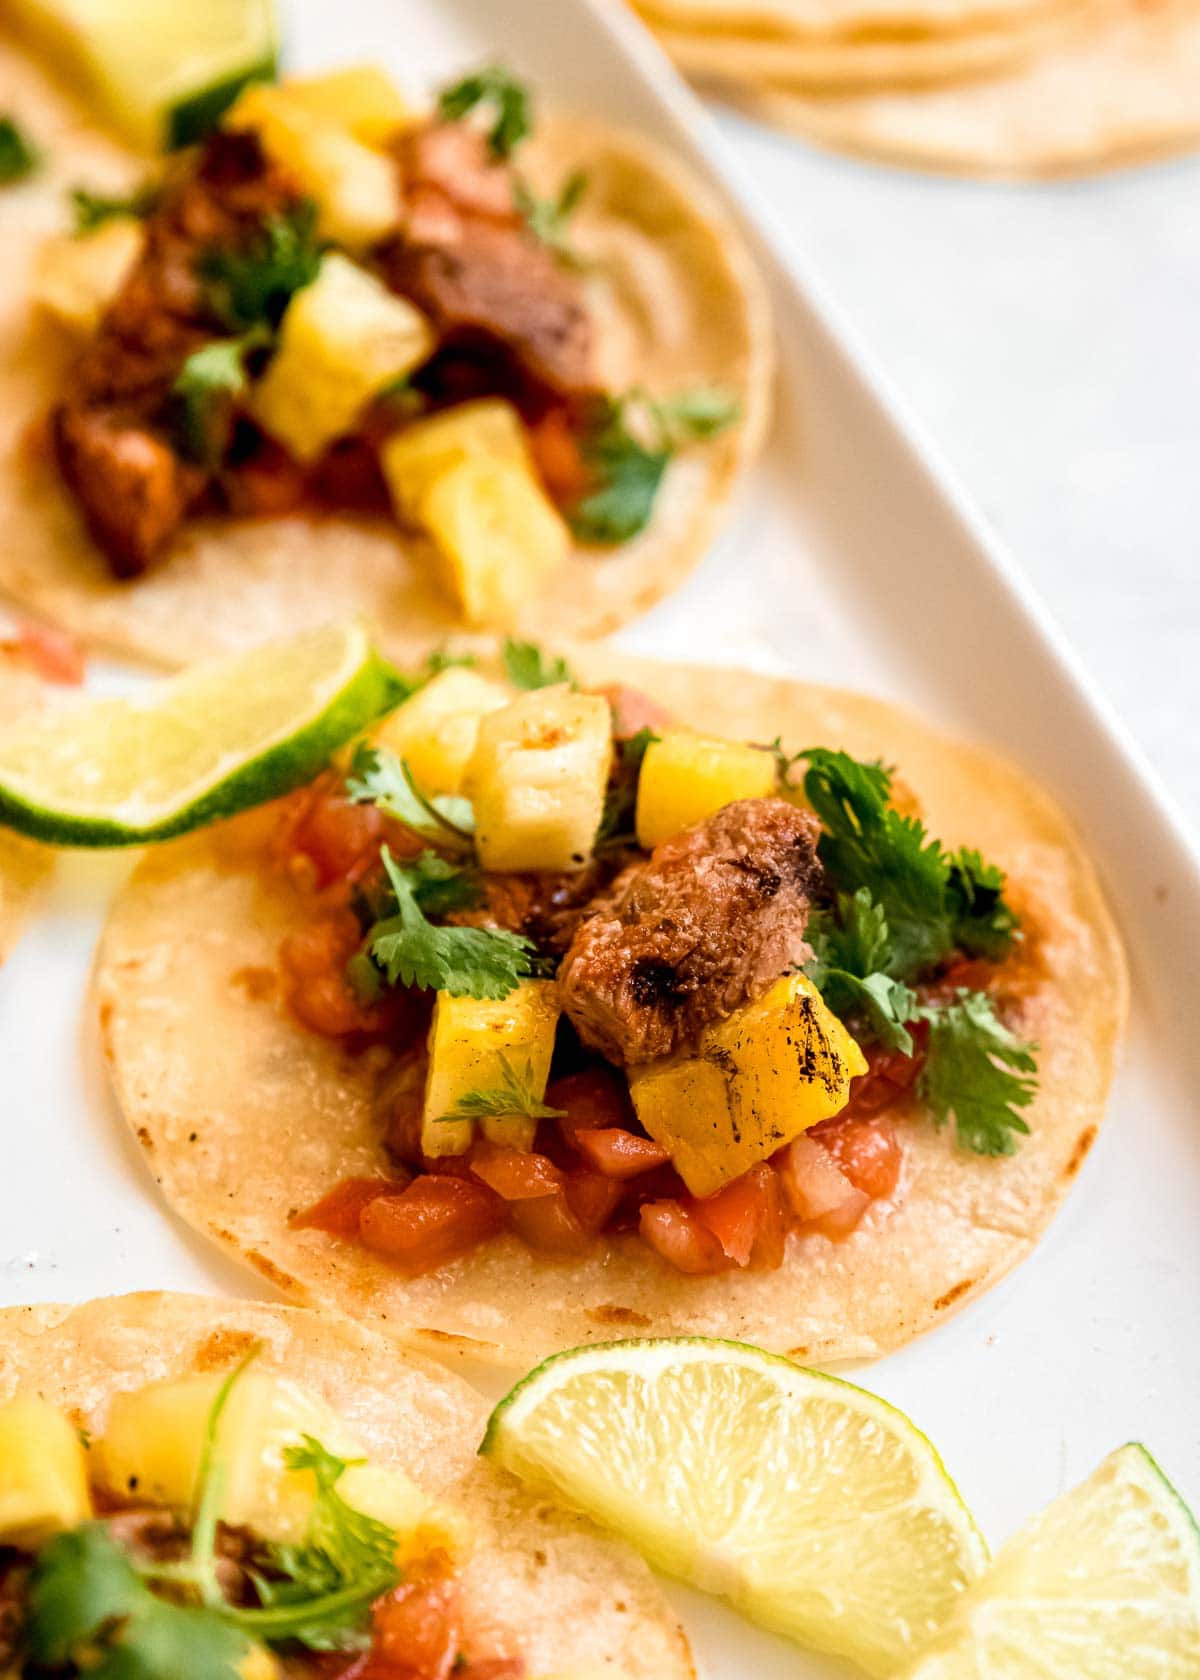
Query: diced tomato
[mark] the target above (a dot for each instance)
(633, 711)
(867, 1151)
(595, 1098)
(970, 974)
(342, 839)
(683, 1240)
(568, 1221)
(340, 1211)
(889, 1077)
(770, 1242)
(55, 656)
(617, 1153)
(319, 992)
(516, 1175)
(840, 1221)
(592, 1198)
(813, 1182)
(735, 1214)
(558, 457)
(435, 1220)
(417, 1632)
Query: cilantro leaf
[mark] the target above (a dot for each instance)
(629, 447)
(618, 824)
(92, 209)
(548, 219)
(528, 667)
(411, 951)
(984, 924)
(18, 155)
(851, 949)
(495, 87)
(977, 1074)
(251, 286)
(378, 777)
(90, 1610)
(513, 1096)
(206, 388)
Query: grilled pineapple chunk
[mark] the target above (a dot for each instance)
(489, 429)
(499, 536)
(485, 1044)
(43, 1472)
(538, 779)
(343, 338)
(356, 190)
(77, 276)
(686, 777)
(768, 1072)
(435, 731)
(361, 98)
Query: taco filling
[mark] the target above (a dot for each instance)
(333, 304)
(615, 976)
(225, 1525)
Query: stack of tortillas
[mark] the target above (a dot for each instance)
(994, 87)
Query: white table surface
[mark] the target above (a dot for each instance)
(1048, 338)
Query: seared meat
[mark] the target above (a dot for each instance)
(467, 259)
(113, 432)
(14, 1587)
(706, 924)
(546, 908)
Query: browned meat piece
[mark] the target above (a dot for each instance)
(705, 925)
(545, 908)
(14, 1588)
(467, 259)
(133, 489)
(116, 448)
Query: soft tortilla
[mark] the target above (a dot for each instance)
(816, 20)
(24, 867)
(679, 304)
(1124, 90)
(541, 1583)
(244, 1117)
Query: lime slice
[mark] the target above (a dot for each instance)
(813, 1506)
(1104, 1585)
(228, 734)
(163, 72)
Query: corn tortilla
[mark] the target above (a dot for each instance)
(540, 1582)
(244, 1116)
(677, 301)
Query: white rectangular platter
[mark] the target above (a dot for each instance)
(851, 560)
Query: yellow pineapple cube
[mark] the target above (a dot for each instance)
(43, 1472)
(499, 537)
(356, 190)
(76, 277)
(421, 1524)
(342, 339)
(770, 1071)
(488, 429)
(154, 1439)
(538, 779)
(484, 1044)
(687, 777)
(435, 731)
(361, 98)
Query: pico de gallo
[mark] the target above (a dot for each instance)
(620, 979)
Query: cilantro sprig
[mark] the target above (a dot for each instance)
(549, 219)
(902, 906)
(528, 666)
(93, 209)
(18, 154)
(410, 950)
(496, 90)
(629, 447)
(514, 1095)
(618, 823)
(251, 286)
(205, 390)
(378, 777)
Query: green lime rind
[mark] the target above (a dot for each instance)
(374, 688)
(1178, 1503)
(194, 117)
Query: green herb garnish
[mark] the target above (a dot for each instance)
(618, 824)
(92, 209)
(509, 102)
(378, 777)
(977, 1074)
(18, 155)
(206, 388)
(513, 1096)
(412, 951)
(548, 219)
(630, 445)
(251, 286)
(527, 666)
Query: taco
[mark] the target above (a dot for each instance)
(345, 357)
(588, 1010)
(198, 1486)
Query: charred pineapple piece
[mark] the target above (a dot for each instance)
(43, 1472)
(435, 731)
(488, 429)
(687, 777)
(499, 536)
(538, 779)
(769, 1071)
(484, 1044)
(342, 340)
(360, 98)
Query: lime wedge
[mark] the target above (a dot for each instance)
(813, 1506)
(225, 735)
(1104, 1585)
(162, 72)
